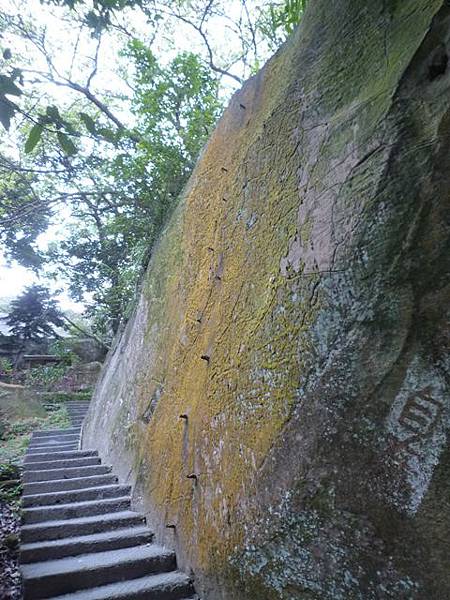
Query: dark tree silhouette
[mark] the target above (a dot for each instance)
(34, 315)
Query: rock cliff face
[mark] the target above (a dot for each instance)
(295, 314)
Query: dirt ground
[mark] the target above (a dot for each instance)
(10, 579)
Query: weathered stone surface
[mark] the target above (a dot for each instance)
(296, 312)
(16, 401)
(87, 349)
(84, 376)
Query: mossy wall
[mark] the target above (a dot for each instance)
(296, 312)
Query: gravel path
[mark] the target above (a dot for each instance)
(10, 579)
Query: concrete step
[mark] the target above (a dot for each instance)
(97, 542)
(54, 440)
(40, 457)
(67, 473)
(52, 432)
(61, 485)
(164, 586)
(62, 448)
(75, 510)
(49, 443)
(65, 575)
(57, 530)
(62, 463)
(52, 444)
(82, 495)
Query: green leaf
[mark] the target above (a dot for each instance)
(7, 86)
(92, 19)
(69, 127)
(66, 143)
(33, 137)
(89, 123)
(53, 113)
(7, 110)
(107, 134)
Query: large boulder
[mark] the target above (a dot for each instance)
(87, 349)
(295, 314)
(18, 402)
(83, 376)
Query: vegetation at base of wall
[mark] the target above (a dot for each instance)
(58, 398)
(6, 368)
(14, 439)
(44, 375)
(10, 483)
(15, 436)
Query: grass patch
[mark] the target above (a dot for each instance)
(16, 435)
(10, 485)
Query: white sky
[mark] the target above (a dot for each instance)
(14, 279)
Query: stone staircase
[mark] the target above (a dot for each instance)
(80, 538)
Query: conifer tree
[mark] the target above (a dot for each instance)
(34, 315)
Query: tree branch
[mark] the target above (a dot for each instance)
(95, 59)
(199, 30)
(85, 332)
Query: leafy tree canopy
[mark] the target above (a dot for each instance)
(105, 106)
